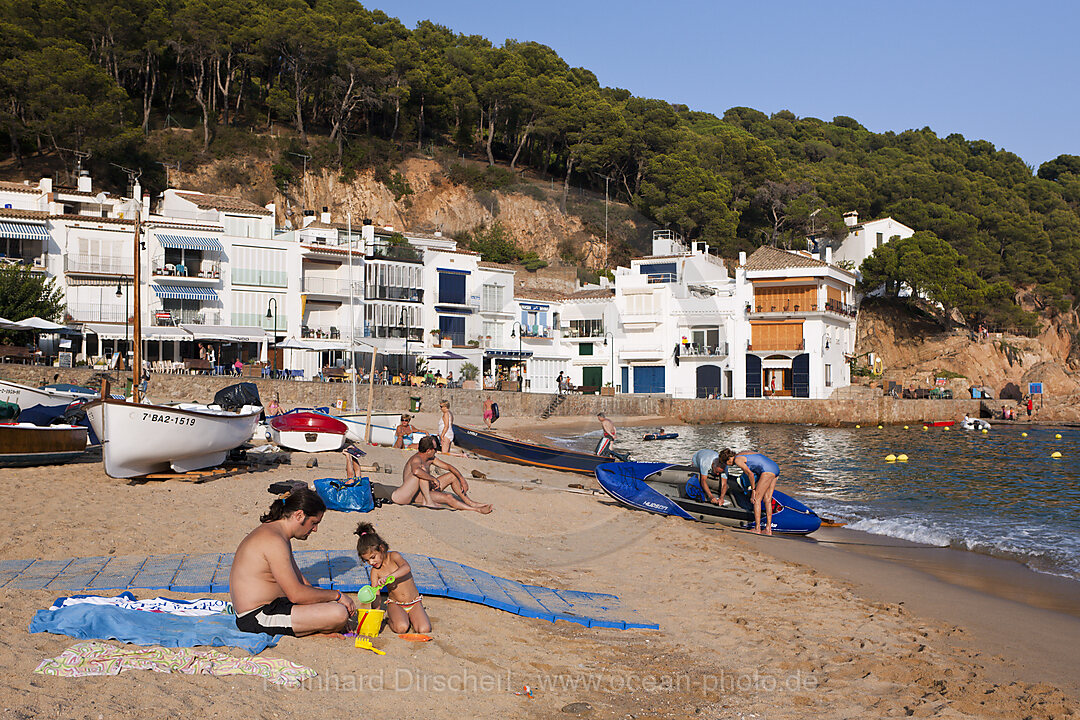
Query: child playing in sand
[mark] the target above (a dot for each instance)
(404, 607)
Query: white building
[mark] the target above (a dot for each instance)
(865, 237)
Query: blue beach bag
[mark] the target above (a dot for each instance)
(346, 495)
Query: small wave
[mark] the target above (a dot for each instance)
(903, 529)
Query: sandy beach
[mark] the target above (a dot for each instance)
(749, 626)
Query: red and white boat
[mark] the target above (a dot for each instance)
(307, 431)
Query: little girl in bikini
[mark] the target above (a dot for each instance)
(404, 607)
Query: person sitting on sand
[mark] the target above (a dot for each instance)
(403, 430)
(709, 464)
(405, 606)
(268, 592)
(420, 487)
(762, 472)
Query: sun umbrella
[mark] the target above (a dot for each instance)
(40, 324)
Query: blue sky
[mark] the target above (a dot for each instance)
(1006, 72)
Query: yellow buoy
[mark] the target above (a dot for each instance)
(1023, 434)
(905, 427)
(946, 428)
(1058, 436)
(925, 428)
(902, 457)
(985, 430)
(878, 427)
(858, 426)
(890, 458)
(1055, 454)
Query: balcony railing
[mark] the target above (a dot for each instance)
(187, 316)
(658, 278)
(210, 270)
(777, 345)
(326, 332)
(94, 312)
(693, 350)
(572, 332)
(331, 286)
(840, 308)
(537, 331)
(96, 265)
(787, 308)
(388, 292)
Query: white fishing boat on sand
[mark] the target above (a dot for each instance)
(141, 438)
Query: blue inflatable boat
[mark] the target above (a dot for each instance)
(659, 488)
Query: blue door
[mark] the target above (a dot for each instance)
(708, 381)
(753, 376)
(452, 327)
(800, 375)
(649, 379)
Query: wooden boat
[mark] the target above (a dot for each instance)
(307, 431)
(23, 444)
(40, 406)
(142, 438)
(383, 428)
(658, 488)
(526, 453)
(660, 436)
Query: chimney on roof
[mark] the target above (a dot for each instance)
(84, 183)
(367, 234)
(742, 258)
(828, 255)
(309, 217)
(438, 233)
(851, 219)
(325, 217)
(45, 185)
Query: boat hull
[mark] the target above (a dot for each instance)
(307, 431)
(25, 444)
(655, 488)
(41, 406)
(660, 436)
(383, 428)
(139, 438)
(524, 453)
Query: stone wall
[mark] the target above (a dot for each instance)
(865, 409)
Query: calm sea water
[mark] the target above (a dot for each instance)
(996, 493)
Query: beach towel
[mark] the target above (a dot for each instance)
(98, 658)
(201, 606)
(106, 622)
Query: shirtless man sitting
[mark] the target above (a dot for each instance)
(268, 592)
(419, 486)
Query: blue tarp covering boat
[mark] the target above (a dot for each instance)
(658, 488)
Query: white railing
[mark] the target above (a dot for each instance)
(98, 265)
(330, 286)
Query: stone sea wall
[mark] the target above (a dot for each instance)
(864, 408)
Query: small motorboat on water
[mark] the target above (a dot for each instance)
(307, 431)
(974, 424)
(23, 444)
(526, 453)
(659, 488)
(660, 435)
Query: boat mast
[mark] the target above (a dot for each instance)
(137, 331)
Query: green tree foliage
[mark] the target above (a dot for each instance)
(24, 294)
(89, 76)
(496, 244)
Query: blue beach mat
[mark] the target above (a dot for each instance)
(107, 622)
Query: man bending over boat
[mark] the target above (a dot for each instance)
(268, 592)
(420, 487)
(762, 472)
(709, 464)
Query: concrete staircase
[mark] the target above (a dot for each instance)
(555, 403)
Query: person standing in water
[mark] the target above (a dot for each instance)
(604, 446)
(762, 472)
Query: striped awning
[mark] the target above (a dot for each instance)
(23, 231)
(179, 292)
(187, 242)
(508, 354)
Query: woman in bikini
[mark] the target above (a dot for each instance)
(405, 606)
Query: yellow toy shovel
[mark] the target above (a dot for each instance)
(366, 645)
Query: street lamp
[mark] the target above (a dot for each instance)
(606, 336)
(274, 314)
(517, 331)
(120, 293)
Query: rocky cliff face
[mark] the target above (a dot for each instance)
(914, 351)
(435, 203)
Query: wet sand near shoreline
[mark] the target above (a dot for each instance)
(742, 631)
